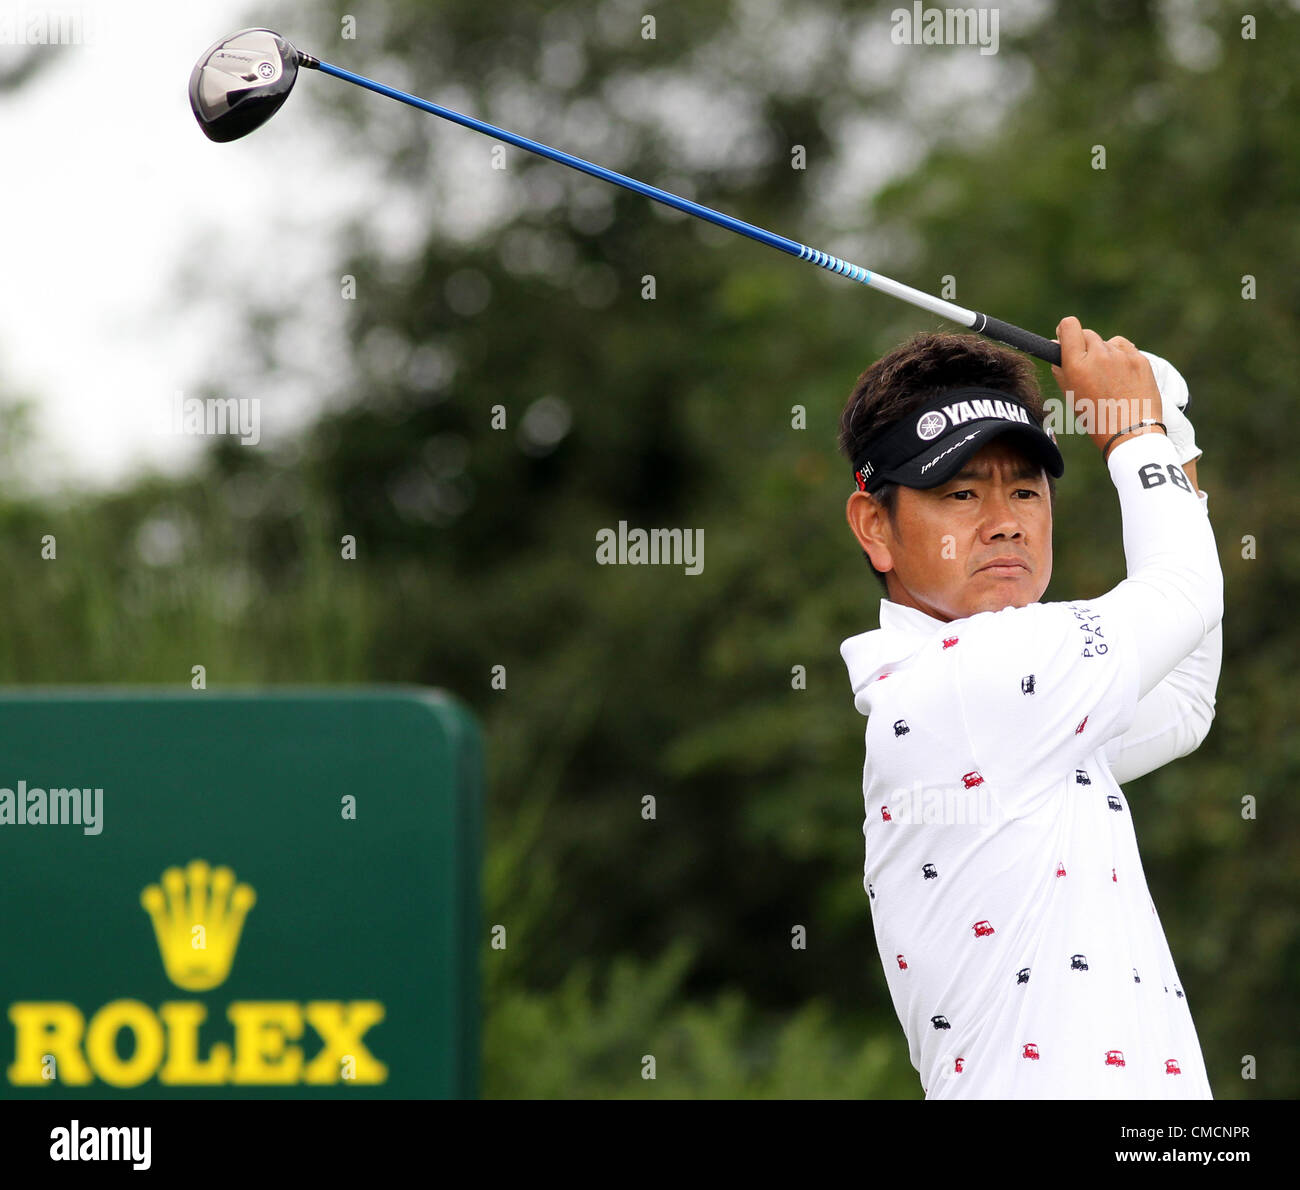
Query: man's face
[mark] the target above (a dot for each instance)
(938, 551)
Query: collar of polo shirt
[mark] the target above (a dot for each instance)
(912, 620)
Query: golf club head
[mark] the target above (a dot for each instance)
(241, 82)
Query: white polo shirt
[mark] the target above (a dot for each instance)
(1022, 949)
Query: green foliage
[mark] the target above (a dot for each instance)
(582, 1042)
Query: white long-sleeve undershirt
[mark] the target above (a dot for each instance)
(1173, 595)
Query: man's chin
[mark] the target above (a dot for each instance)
(981, 593)
(1005, 593)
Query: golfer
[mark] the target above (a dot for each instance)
(1023, 952)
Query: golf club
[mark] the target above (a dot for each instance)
(243, 80)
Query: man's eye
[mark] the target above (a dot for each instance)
(963, 492)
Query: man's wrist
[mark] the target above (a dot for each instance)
(1143, 427)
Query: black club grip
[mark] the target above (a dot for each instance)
(1017, 337)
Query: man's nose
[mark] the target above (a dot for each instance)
(1003, 517)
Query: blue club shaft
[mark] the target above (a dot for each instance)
(981, 323)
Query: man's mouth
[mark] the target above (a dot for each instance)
(1004, 566)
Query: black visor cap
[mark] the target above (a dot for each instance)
(932, 443)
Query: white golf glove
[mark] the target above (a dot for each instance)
(1174, 396)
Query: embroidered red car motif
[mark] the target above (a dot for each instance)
(971, 779)
(1171, 1066)
(884, 814)
(949, 642)
(902, 963)
(958, 1065)
(982, 929)
(1060, 869)
(1115, 1058)
(1030, 1051)
(1081, 725)
(882, 677)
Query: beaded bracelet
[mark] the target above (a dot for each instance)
(1128, 430)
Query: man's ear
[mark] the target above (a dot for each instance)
(870, 525)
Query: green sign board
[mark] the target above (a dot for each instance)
(261, 895)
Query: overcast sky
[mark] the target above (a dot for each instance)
(110, 188)
(112, 196)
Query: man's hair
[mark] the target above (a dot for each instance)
(913, 373)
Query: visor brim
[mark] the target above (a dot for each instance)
(947, 455)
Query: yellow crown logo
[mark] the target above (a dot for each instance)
(197, 917)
